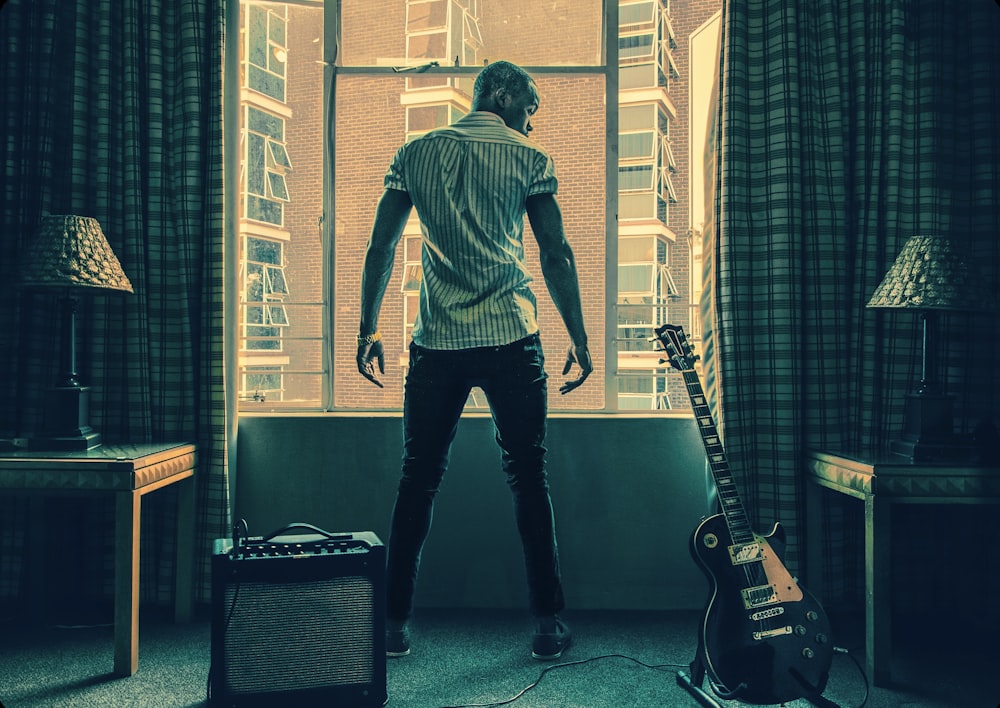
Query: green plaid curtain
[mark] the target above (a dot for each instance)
(847, 128)
(112, 109)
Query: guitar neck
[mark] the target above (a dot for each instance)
(729, 496)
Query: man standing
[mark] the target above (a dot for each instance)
(472, 184)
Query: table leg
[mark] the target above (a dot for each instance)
(33, 561)
(878, 570)
(814, 539)
(127, 516)
(185, 550)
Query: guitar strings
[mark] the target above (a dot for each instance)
(756, 576)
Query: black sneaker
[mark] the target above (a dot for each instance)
(397, 638)
(551, 638)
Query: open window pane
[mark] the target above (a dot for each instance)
(276, 186)
(279, 156)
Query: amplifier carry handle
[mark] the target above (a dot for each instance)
(309, 527)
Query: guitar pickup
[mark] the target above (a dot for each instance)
(767, 614)
(745, 553)
(758, 596)
(773, 632)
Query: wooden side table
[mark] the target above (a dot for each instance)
(882, 481)
(128, 472)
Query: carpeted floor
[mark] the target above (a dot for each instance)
(482, 658)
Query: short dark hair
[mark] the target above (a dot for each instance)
(500, 74)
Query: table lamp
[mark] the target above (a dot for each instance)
(930, 275)
(72, 257)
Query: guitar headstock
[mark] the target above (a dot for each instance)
(680, 353)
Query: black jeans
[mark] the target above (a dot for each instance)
(437, 386)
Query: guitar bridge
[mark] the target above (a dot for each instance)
(758, 596)
(772, 632)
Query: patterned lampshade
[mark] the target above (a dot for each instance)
(72, 252)
(930, 273)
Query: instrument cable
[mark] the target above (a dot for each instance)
(547, 669)
(656, 667)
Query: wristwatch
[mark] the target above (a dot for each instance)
(364, 341)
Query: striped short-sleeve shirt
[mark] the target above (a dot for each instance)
(469, 182)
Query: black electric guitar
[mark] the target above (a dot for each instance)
(763, 638)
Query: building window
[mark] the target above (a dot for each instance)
(266, 161)
(413, 276)
(261, 384)
(266, 50)
(422, 118)
(644, 298)
(265, 288)
(645, 163)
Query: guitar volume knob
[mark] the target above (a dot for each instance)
(808, 653)
(812, 615)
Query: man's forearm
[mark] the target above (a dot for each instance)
(374, 281)
(390, 218)
(558, 263)
(561, 279)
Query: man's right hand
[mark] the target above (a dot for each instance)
(368, 354)
(576, 355)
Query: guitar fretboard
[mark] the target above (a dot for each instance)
(729, 496)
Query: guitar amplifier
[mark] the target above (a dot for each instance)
(298, 619)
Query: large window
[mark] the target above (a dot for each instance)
(311, 172)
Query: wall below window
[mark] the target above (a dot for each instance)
(627, 491)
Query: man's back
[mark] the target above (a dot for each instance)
(469, 183)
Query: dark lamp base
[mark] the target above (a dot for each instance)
(928, 417)
(66, 424)
(929, 431)
(957, 450)
(84, 441)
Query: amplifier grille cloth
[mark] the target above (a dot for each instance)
(299, 635)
